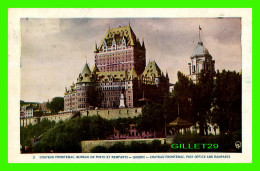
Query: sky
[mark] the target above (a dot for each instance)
(54, 51)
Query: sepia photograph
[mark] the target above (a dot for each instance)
(151, 87)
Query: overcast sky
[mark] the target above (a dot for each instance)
(54, 51)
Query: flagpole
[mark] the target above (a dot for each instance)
(199, 33)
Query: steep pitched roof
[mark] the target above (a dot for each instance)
(94, 69)
(86, 79)
(152, 70)
(115, 75)
(86, 70)
(118, 34)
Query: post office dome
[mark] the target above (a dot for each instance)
(200, 50)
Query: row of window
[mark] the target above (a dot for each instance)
(113, 57)
(114, 61)
(70, 104)
(111, 99)
(112, 93)
(69, 99)
(114, 49)
(113, 83)
(82, 99)
(114, 54)
(123, 68)
(110, 88)
(82, 106)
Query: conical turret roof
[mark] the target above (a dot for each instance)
(86, 70)
(94, 69)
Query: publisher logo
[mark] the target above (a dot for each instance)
(238, 144)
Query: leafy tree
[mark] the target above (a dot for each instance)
(183, 100)
(227, 101)
(56, 105)
(203, 99)
(152, 118)
(34, 131)
(66, 136)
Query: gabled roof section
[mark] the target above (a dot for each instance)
(114, 75)
(86, 79)
(118, 34)
(152, 70)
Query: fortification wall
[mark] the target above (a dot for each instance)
(57, 117)
(27, 121)
(36, 120)
(104, 113)
(114, 113)
(86, 146)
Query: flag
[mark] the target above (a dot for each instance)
(200, 27)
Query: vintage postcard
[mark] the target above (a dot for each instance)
(130, 85)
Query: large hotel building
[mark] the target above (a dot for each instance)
(120, 77)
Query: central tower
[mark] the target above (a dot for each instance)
(120, 50)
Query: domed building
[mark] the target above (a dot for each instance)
(200, 59)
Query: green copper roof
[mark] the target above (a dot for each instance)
(118, 34)
(152, 70)
(115, 75)
(86, 70)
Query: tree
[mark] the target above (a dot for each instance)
(227, 101)
(66, 136)
(203, 99)
(183, 100)
(152, 118)
(56, 105)
(34, 131)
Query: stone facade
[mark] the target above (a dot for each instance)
(104, 113)
(114, 113)
(27, 121)
(134, 134)
(119, 69)
(87, 146)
